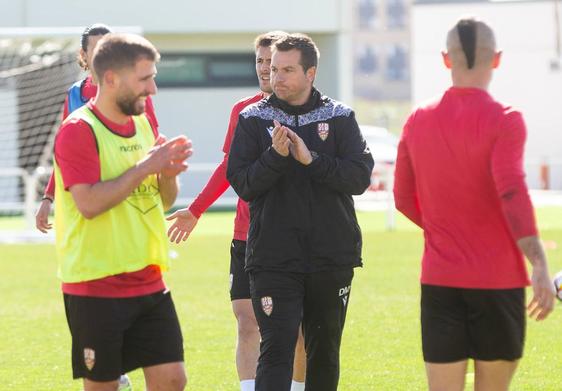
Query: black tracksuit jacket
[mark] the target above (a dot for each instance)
(302, 218)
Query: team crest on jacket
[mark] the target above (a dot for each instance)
(89, 358)
(323, 130)
(267, 305)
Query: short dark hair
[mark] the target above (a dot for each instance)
(91, 31)
(265, 40)
(301, 42)
(118, 51)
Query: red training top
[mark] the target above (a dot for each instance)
(77, 156)
(89, 90)
(217, 184)
(459, 176)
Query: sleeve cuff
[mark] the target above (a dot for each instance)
(273, 159)
(195, 211)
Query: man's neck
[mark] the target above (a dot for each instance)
(480, 80)
(109, 109)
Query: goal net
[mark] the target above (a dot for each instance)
(36, 68)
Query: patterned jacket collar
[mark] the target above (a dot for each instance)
(314, 101)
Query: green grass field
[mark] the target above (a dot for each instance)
(381, 346)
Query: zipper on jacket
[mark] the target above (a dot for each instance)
(308, 265)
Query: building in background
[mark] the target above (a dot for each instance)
(529, 77)
(207, 56)
(379, 56)
(381, 61)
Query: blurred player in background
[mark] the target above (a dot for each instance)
(459, 176)
(184, 221)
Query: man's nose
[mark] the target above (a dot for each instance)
(152, 89)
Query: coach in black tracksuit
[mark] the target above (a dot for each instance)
(297, 157)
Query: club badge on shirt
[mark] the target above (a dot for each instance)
(89, 358)
(323, 130)
(267, 305)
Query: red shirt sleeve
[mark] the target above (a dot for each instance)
(50, 188)
(151, 115)
(215, 187)
(217, 184)
(405, 194)
(509, 177)
(76, 154)
(65, 108)
(232, 123)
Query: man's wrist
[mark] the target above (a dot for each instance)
(276, 152)
(167, 178)
(142, 169)
(313, 156)
(47, 198)
(539, 265)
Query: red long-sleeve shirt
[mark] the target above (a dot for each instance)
(217, 184)
(459, 176)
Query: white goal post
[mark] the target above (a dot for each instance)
(37, 66)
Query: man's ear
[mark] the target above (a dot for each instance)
(83, 55)
(311, 74)
(497, 59)
(111, 78)
(446, 60)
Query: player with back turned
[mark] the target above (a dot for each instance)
(459, 176)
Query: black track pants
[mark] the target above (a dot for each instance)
(281, 302)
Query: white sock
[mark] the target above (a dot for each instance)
(297, 386)
(248, 385)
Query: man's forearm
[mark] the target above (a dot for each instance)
(93, 200)
(532, 247)
(168, 190)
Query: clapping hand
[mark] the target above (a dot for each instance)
(298, 149)
(279, 139)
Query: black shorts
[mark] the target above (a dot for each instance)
(482, 324)
(112, 336)
(239, 280)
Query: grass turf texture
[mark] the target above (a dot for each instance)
(381, 345)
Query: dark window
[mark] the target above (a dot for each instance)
(367, 14)
(396, 64)
(368, 61)
(396, 13)
(206, 70)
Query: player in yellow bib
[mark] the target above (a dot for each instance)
(115, 176)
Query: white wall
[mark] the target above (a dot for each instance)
(176, 15)
(202, 115)
(206, 26)
(525, 31)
